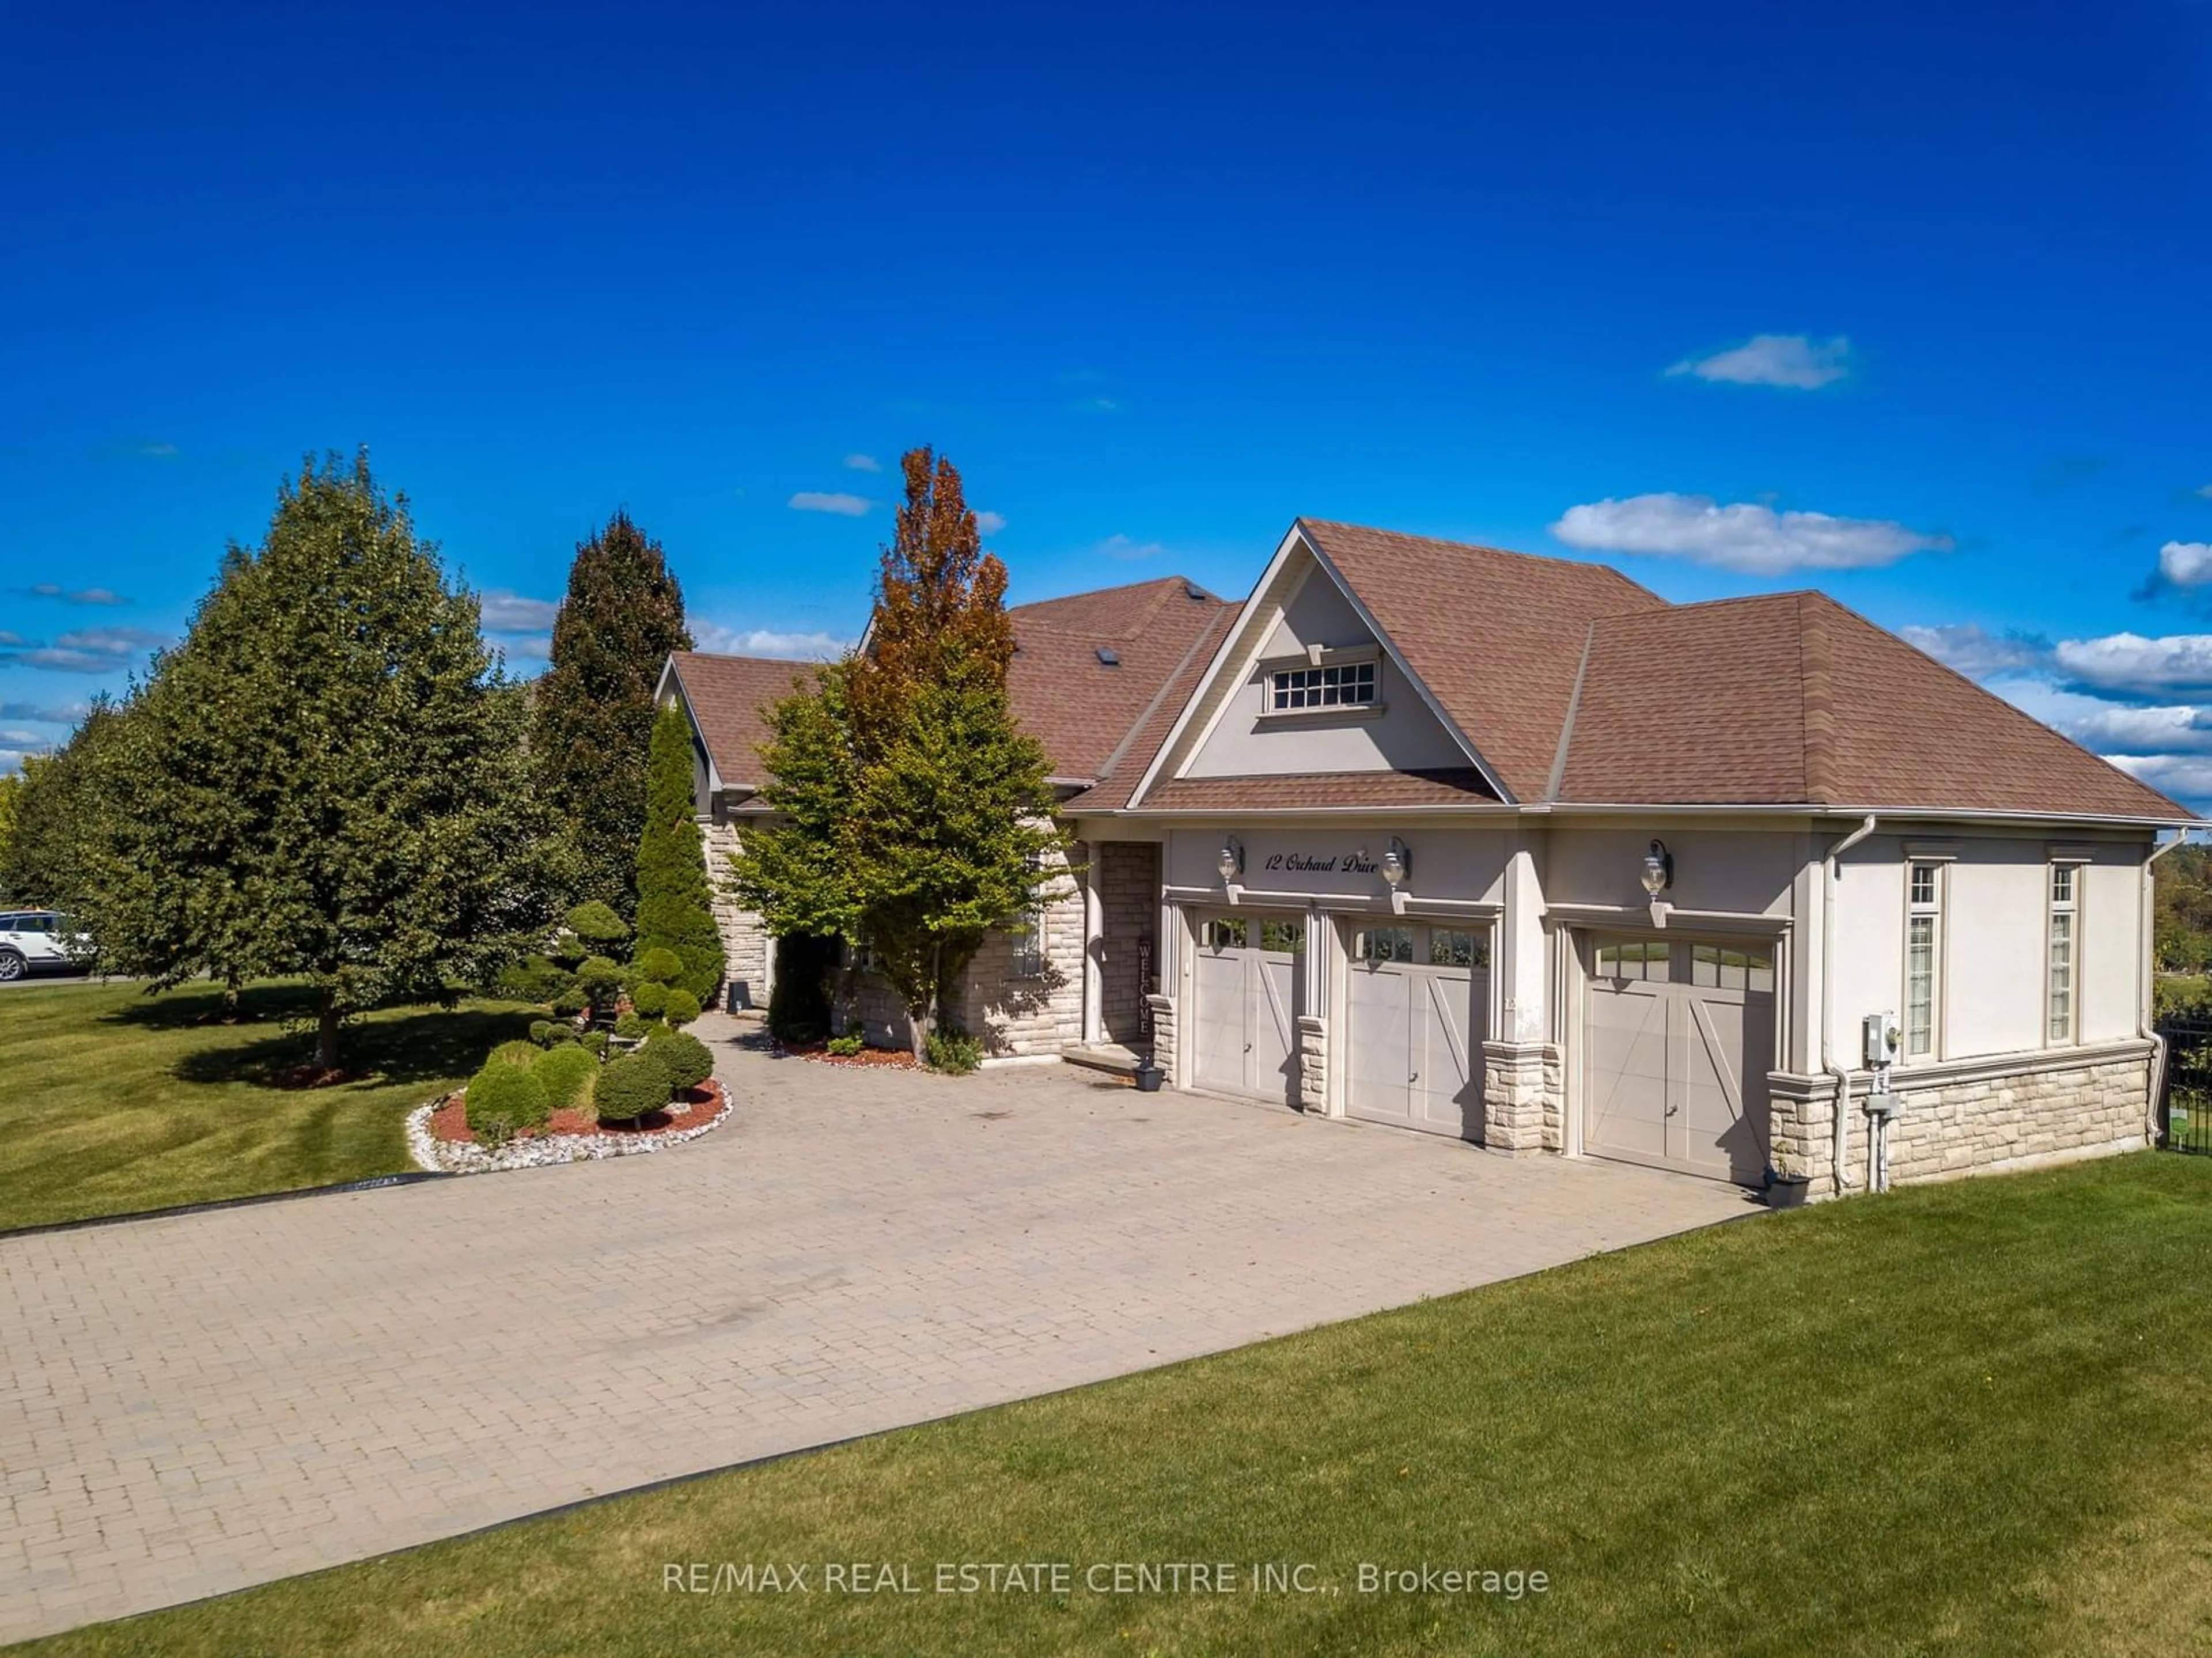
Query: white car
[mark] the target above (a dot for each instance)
(39, 941)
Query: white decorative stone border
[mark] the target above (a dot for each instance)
(465, 1157)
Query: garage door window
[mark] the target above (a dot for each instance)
(1225, 933)
(1286, 936)
(1635, 958)
(1449, 947)
(1382, 943)
(1718, 967)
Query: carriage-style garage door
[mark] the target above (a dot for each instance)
(1418, 1002)
(1680, 1037)
(1248, 983)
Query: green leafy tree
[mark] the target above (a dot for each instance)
(327, 778)
(622, 617)
(59, 800)
(675, 906)
(913, 810)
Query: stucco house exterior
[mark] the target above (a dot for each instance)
(1508, 850)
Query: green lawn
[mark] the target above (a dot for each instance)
(1974, 1418)
(113, 1101)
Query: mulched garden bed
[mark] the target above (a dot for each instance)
(439, 1135)
(897, 1059)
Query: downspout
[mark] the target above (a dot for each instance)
(1828, 999)
(2145, 1024)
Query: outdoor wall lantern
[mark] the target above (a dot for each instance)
(1397, 862)
(1231, 861)
(1658, 869)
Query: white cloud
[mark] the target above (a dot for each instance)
(2185, 563)
(16, 641)
(1742, 536)
(112, 641)
(1792, 359)
(820, 500)
(508, 612)
(2185, 777)
(990, 523)
(45, 713)
(73, 595)
(2112, 727)
(1972, 652)
(863, 464)
(768, 642)
(1120, 546)
(8, 734)
(2128, 664)
(88, 650)
(11, 760)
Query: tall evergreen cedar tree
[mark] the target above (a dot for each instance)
(675, 906)
(327, 778)
(46, 856)
(623, 616)
(914, 814)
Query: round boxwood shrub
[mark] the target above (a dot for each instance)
(596, 926)
(650, 998)
(684, 1057)
(662, 964)
(599, 979)
(517, 1052)
(631, 1086)
(629, 1026)
(504, 1100)
(682, 1007)
(541, 1032)
(593, 1043)
(558, 1032)
(566, 1075)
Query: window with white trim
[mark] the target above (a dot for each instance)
(1027, 933)
(1339, 684)
(2061, 941)
(1923, 955)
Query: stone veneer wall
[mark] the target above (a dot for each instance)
(1971, 1117)
(1127, 876)
(1313, 1065)
(745, 940)
(1521, 1097)
(1163, 1032)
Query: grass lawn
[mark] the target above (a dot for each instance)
(1974, 1418)
(112, 1100)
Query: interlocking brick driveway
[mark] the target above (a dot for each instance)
(197, 1404)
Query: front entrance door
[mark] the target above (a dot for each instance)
(1248, 983)
(1678, 1040)
(1419, 998)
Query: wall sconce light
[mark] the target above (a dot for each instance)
(1397, 862)
(1231, 861)
(1658, 869)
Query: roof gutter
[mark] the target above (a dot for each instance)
(1828, 877)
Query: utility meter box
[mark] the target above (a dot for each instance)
(1883, 1106)
(1879, 1036)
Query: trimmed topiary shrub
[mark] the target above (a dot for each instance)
(596, 926)
(517, 1052)
(600, 979)
(953, 1051)
(570, 1002)
(685, 1059)
(503, 1100)
(630, 1087)
(681, 1007)
(593, 1043)
(629, 1026)
(541, 1032)
(650, 998)
(558, 1032)
(662, 965)
(566, 1073)
(533, 979)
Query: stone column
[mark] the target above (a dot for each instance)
(1164, 1033)
(1313, 1065)
(1094, 929)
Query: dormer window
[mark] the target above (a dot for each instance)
(1342, 685)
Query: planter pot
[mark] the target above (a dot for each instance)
(1784, 1192)
(1149, 1078)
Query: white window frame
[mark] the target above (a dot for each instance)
(2062, 914)
(1026, 957)
(1348, 661)
(1927, 1047)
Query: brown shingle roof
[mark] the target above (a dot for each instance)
(727, 694)
(1082, 711)
(1112, 791)
(1320, 791)
(1791, 698)
(1495, 636)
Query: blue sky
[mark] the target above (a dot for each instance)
(1903, 302)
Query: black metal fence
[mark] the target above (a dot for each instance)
(2186, 1109)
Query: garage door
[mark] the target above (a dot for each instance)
(1247, 985)
(1680, 1037)
(1417, 1004)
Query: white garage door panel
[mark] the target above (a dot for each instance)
(1219, 1040)
(1245, 1023)
(1414, 1030)
(1447, 1097)
(1675, 1055)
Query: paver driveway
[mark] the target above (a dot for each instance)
(196, 1404)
